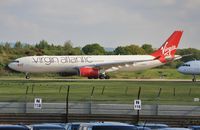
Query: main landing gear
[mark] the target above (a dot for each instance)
(104, 76)
(101, 76)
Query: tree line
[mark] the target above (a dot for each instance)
(9, 52)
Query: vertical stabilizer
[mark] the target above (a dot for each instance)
(167, 51)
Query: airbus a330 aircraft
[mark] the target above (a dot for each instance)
(190, 68)
(92, 66)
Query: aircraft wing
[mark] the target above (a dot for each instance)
(122, 64)
(177, 57)
(117, 64)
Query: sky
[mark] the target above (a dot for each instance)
(111, 23)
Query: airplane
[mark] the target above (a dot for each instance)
(190, 68)
(97, 66)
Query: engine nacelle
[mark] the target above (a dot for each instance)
(89, 72)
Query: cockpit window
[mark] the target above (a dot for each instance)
(15, 61)
(187, 65)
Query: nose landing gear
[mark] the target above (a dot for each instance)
(27, 76)
(194, 78)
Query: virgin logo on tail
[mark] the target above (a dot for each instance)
(168, 49)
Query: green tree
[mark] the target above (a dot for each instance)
(18, 44)
(7, 47)
(148, 48)
(27, 46)
(68, 48)
(77, 51)
(129, 50)
(93, 49)
(120, 51)
(195, 54)
(68, 45)
(135, 50)
(1, 49)
(42, 45)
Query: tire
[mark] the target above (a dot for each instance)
(107, 77)
(193, 80)
(101, 77)
(90, 77)
(27, 77)
(95, 77)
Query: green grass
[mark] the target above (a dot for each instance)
(114, 92)
(150, 74)
(155, 73)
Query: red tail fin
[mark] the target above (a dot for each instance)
(168, 49)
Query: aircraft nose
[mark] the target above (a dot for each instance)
(180, 69)
(12, 66)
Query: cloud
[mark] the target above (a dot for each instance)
(109, 22)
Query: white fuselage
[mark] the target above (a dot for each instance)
(37, 64)
(93, 66)
(190, 68)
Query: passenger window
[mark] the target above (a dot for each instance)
(187, 65)
(15, 61)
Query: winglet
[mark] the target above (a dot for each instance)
(167, 51)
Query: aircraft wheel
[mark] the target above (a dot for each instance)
(89, 77)
(101, 76)
(107, 77)
(95, 77)
(194, 80)
(27, 77)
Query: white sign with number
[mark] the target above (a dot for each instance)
(38, 103)
(196, 100)
(137, 105)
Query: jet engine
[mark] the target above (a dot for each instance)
(89, 72)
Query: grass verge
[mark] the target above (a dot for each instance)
(105, 91)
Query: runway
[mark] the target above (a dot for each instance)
(65, 79)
